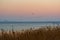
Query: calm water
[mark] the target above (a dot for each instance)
(24, 25)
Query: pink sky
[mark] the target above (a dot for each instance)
(30, 9)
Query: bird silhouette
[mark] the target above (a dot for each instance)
(32, 13)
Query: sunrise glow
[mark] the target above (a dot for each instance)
(30, 10)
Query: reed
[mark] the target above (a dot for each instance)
(47, 33)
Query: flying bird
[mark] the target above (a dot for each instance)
(32, 13)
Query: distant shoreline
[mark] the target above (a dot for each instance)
(31, 22)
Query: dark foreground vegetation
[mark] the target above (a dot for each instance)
(47, 33)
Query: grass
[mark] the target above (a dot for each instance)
(47, 33)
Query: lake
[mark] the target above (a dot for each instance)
(25, 25)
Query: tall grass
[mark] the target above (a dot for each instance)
(47, 33)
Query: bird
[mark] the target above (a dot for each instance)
(32, 13)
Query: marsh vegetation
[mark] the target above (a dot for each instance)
(46, 33)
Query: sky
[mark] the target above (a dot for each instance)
(30, 10)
